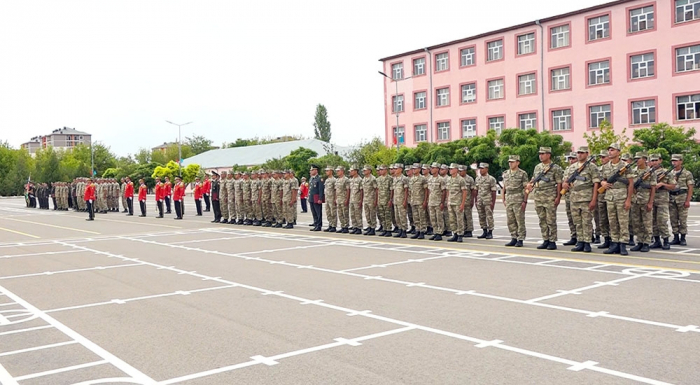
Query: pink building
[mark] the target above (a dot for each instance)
(631, 62)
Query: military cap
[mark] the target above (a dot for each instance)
(329, 168)
(367, 167)
(340, 168)
(453, 165)
(262, 171)
(443, 166)
(425, 166)
(545, 150)
(615, 146)
(641, 154)
(571, 155)
(398, 165)
(392, 166)
(513, 158)
(237, 173)
(626, 156)
(582, 149)
(435, 165)
(461, 168)
(603, 154)
(415, 166)
(215, 173)
(353, 167)
(677, 157)
(654, 156)
(314, 167)
(483, 165)
(381, 167)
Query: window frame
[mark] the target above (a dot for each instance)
(460, 49)
(588, 72)
(503, 50)
(488, 121)
(551, 82)
(425, 101)
(629, 65)
(675, 58)
(413, 66)
(403, 73)
(449, 96)
(503, 79)
(551, 118)
(393, 104)
(415, 132)
(535, 86)
(675, 107)
(610, 26)
(534, 43)
(476, 126)
(550, 28)
(537, 119)
(675, 23)
(630, 116)
(394, 131)
(598, 104)
(628, 15)
(437, 130)
(435, 61)
(461, 92)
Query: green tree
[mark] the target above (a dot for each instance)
(18, 176)
(602, 138)
(322, 126)
(199, 144)
(47, 165)
(328, 160)
(110, 173)
(526, 144)
(298, 161)
(8, 162)
(365, 152)
(145, 171)
(143, 156)
(190, 172)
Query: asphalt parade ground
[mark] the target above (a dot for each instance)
(129, 300)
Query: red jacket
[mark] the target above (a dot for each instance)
(206, 187)
(178, 192)
(159, 191)
(90, 192)
(142, 192)
(197, 191)
(167, 189)
(304, 190)
(129, 190)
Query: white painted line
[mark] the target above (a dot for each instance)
(597, 285)
(25, 330)
(3, 320)
(582, 365)
(686, 251)
(61, 370)
(40, 254)
(688, 328)
(264, 360)
(70, 271)
(6, 378)
(347, 342)
(486, 344)
(598, 314)
(7, 304)
(11, 353)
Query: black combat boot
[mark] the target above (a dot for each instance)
(332, 230)
(454, 238)
(512, 242)
(586, 247)
(489, 235)
(371, 231)
(398, 235)
(380, 229)
(605, 244)
(543, 245)
(483, 235)
(637, 247)
(388, 234)
(631, 242)
(571, 242)
(645, 248)
(683, 242)
(459, 238)
(623, 249)
(666, 245)
(596, 239)
(412, 230)
(519, 243)
(614, 248)
(421, 235)
(468, 234)
(552, 246)
(222, 221)
(676, 240)
(402, 234)
(415, 235)
(430, 231)
(344, 230)
(579, 247)
(289, 226)
(656, 244)
(437, 237)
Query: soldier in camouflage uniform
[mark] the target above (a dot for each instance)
(122, 186)
(437, 193)
(471, 201)
(643, 202)
(384, 209)
(223, 197)
(370, 194)
(255, 193)
(485, 200)
(229, 184)
(627, 157)
(276, 198)
(515, 200)
(400, 187)
(547, 194)
(665, 182)
(409, 206)
(246, 198)
(444, 174)
(342, 199)
(418, 195)
(355, 183)
(331, 205)
(392, 176)
(602, 222)
(583, 193)
(618, 184)
(425, 171)
(289, 198)
(457, 199)
(680, 200)
(266, 198)
(571, 159)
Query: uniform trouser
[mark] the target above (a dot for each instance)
(436, 219)
(641, 222)
(159, 205)
(384, 215)
(400, 216)
(257, 210)
(583, 219)
(344, 215)
(289, 209)
(54, 203)
(409, 213)
(371, 214)
(456, 219)
(419, 214)
(277, 208)
(547, 214)
(678, 214)
(239, 208)
(596, 220)
(142, 204)
(485, 214)
(356, 214)
(660, 220)
(206, 202)
(232, 206)
(217, 209)
(468, 216)
(570, 219)
(266, 209)
(295, 213)
(124, 203)
(317, 210)
(198, 205)
(178, 209)
(618, 218)
(515, 216)
(130, 205)
(248, 209)
(223, 206)
(331, 214)
(303, 205)
(446, 218)
(91, 212)
(167, 204)
(603, 214)
(393, 216)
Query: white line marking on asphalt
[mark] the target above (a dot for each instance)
(41, 254)
(583, 365)
(61, 370)
(597, 285)
(688, 328)
(686, 251)
(347, 342)
(25, 330)
(3, 320)
(71, 271)
(487, 344)
(11, 353)
(264, 360)
(6, 378)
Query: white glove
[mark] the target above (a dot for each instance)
(90, 200)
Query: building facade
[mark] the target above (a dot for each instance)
(630, 62)
(65, 138)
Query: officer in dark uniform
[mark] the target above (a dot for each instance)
(316, 198)
(215, 187)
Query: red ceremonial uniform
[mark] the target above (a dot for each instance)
(304, 190)
(197, 191)
(129, 190)
(168, 190)
(142, 192)
(206, 187)
(178, 192)
(90, 192)
(159, 191)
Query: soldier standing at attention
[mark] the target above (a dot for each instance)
(206, 192)
(289, 198)
(419, 201)
(485, 200)
(445, 213)
(370, 196)
(89, 198)
(437, 192)
(129, 193)
(425, 170)
(198, 196)
(665, 182)
(627, 157)
(142, 197)
(457, 197)
(265, 203)
(603, 223)
(400, 196)
(255, 198)
(515, 200)
(411, 224)
(643, 202)
(546, 191)
(276, 194)
(571, 158)
(233, 186)
(168, 194)
(619, 188)
(316, 197)
(178, 195)
(215, 188)
(223, 197)
(121, 194)
(680, 200)
(355, 201)
(331, 204)
(384, 184)
(583, 193)
(159, 197)
(471, 201)
(342, 196)
(247, 205)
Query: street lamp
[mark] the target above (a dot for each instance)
(396, 98)
(179, 144)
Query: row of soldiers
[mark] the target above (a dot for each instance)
(259, 198)
(67, 196)
(38, 194)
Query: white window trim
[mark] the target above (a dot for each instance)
(528, 43)
(496, 90)
(495, 51)
(470, 92)
(529, 120)
(496, 123)
(562, 117)
(644, 110)
(599, 72)
(443, 127)
(421, 132)
(528, 83)
(690, 59)
(642, 17)
(420, 63)
(468, 129)
(693, 104)
(397, 103)
(418, 100)
(598, 114)
(442, 62)
(562, 81)
(563, 36)
(443, 99)
(600, 25)
(642, 66)
(689, 6)
(466, 59)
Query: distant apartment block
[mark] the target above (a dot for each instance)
(60, 138)
(163, 147)
(630, 62)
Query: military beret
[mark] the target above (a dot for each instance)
(582, 149)
(514, 158)
(677, 157)
(545, 150)
(616, 146)
(640, 154)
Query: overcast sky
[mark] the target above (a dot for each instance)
(119, 69)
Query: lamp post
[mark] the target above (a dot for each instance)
(179, 144)
(396, 98)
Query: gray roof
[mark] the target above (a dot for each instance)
(256, 155)
(67, 131)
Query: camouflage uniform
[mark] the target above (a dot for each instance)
(356, 200)
(456, 186)
(514, 183)
(342, 185)
(276, 198)
(677, 210)
(223, 197)
(121, 194)
(369, 191)
(400, 185)
(418, 184)
(246, 198)
(615, 197)
(436, 188)
(289, 198)
(236, 196)
(468, 214)
(384, 187)
(602, 207)
(230, 184)
(485, 185)
(544, 194)
(641, 218)
(580, 193)
(567, 206)
(331, 205)
(255, 188)
(660, 214)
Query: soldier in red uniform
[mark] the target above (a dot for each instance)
(159, 197)
(167, 194)
(178, 195)
(129, 194)
(198, 196)
(90, 199)
(206, 191)
(142, 197)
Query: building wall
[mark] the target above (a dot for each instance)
(619, 92)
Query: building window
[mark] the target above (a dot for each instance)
(526, 43)
(561, 79)
(496, 123)
(397, 71)
(644, 112)
(441, 61)
(688, 107)
(468, 128)
(443, 131)
(419, 66)
(495, 50)
(642, 19)
(397, 103)
(442, 97)
(687, 10)
(526, 84)
(419, 102)
(469, 93)
(598, 27)
(688, 58)
(642, 66)
(496, 89)
(399, 135)
(559, 36)
(599, 73)
(421, 133)
(466, 56)
(598, 114)
(527, 121)
(561, 120)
